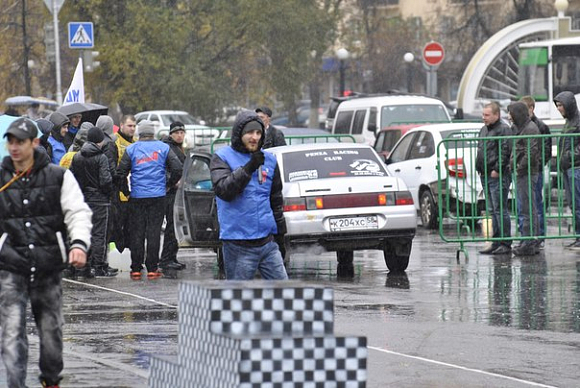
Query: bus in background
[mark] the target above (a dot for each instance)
(547, 68)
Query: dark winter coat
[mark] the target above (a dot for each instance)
(91, 169)
(230, 183)
(526, 150)
(178, 151)
(274, 138)
(58, 120)
(567, 145)
(547, 141)
(488, 151)
(32, 227)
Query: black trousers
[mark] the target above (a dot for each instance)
(99, 233)
(170, 245)
(145, 217)
(119, 225)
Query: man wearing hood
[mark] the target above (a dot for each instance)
(109, 148)
(569, 156)
(73, 128)
(78, 142)
(248, 190)
(56, 146)
(527, 170)
(91, 169)
(45, 223)
(492, 162)
(168, 259)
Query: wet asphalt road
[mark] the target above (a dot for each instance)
(485, 322)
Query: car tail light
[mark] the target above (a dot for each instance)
(403, 198)
(294, 204)
(456, 167)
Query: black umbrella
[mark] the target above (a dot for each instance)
(89, 110)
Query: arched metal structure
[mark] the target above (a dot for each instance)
(492, 72)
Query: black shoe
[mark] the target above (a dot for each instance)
(502, 250)
(104, 273)
(489, 250)
(113, 270)
(183, 266)
(574, 246)
(171, 266)
(69, 273)
(86, 272)
(526, 250)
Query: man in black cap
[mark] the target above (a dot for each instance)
(248, 190)
(91, 168)
(273, 137)
(168, 260)
(45, 223)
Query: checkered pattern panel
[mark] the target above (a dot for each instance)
(164, 372)
(301, 362)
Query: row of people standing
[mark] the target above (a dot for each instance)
(496, 160)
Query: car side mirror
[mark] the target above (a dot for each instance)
(372, 127)
(459, 114)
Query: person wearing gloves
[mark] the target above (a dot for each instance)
(45, 223)
(56, 146)
(78, 142)
(248, 190)
(147, 160)
(91, 169)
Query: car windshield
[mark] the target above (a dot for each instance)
(414, 113)
(331, 163)
(459, 138)
(184, 118)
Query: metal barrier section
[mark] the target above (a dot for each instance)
(293, 140)
(466, 209)
(259, 334)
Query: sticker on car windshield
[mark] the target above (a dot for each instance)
(365, 167)
(302, 175)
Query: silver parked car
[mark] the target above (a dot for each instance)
(338, 196)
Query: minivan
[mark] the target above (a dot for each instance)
(362, 117)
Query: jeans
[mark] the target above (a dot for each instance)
(539, 201)
(170, 245)
(527, 201)
(45, 295)
(241, 262)
(99, 244)
(573, 196)
(499, 210)
(146, 218)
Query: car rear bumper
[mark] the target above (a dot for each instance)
(350, 241)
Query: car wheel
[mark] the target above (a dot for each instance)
(428, 210)
(345, 266)
(397, 254)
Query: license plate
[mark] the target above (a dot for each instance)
(353, 223)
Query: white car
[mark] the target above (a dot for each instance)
(415, 160)
(196, 135)
(336, 195)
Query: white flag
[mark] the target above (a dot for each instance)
(76, 92)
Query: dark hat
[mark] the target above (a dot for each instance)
(95, 135)
(252, 125)
(146, 128)
(176, 126)
(264, 109)
(22, 129)
(44, 125)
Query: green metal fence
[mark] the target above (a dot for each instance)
(462, 195)
(293, 140)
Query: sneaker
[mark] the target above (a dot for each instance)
(136, 275)
(171, 266)
(183, 266)
(489, 249)
(502, 250)
(575, 246)
(154, 274)
(104, 273)
(113, 270)
(525, 250)
(86, 272)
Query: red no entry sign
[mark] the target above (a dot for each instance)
(433, 53)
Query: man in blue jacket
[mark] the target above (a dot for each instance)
(249, 199)
(147, 160)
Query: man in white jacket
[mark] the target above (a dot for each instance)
(44, 224)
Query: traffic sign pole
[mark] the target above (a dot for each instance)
(57, 52)
(433, 55)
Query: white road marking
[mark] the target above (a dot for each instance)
(121, 293)
(112, 364)
(461, 367)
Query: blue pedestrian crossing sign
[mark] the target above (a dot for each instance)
(80, 35)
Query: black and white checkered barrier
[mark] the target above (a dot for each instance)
(259, 334)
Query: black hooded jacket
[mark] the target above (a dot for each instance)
(569, 146)
(488, 151)
(526, 150)
(91, 169)
(229, 184)
(178, 151)
(273, 138)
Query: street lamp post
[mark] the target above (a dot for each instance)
(409, 58)
(342, 55)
